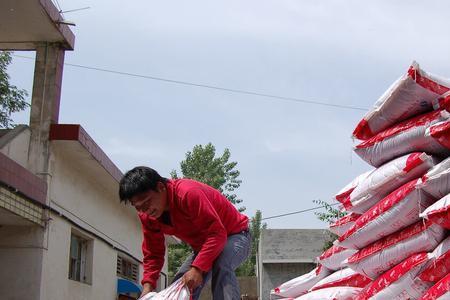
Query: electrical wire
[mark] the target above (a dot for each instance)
(299, 212)
(213, 87)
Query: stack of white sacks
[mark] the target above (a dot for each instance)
(394, 241)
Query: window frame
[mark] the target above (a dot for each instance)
(83, 259)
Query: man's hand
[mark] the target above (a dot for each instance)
(193, 278)
(147, 288)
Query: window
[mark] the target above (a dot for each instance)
(127, 269)
(79, 263)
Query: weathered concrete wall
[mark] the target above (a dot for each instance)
(21, 251)
(16, 148)
(292, 245)
(287, 253)
(78, 193)
(247, 285)
(102, 276)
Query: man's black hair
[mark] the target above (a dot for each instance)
(138, 180)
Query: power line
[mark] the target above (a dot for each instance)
(299, 212)
(76, 9)
(59, 7)
(213, 87)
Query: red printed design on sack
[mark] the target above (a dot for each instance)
(390, 240)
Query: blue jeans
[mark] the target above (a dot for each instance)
(224, 284)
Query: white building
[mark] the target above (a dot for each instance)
(63, 232)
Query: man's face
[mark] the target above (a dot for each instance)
(153, 203)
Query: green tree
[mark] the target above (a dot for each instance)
(329, 215)
(12, 99)
(248, 268)
(201, 164)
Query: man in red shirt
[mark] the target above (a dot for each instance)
(197, 214)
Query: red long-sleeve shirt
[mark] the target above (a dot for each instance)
(200, 216)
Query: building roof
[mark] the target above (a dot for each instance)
(292, 245)
(25, 23)
(77, 142)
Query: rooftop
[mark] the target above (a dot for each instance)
(26, 23)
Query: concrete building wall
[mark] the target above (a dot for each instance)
(77, 192)
(56, 283)
(275, 274)
(246, 284)
(17, 148)
(284, 254)
(21, 252)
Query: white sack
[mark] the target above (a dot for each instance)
(334, 257)
(343, 224)
(412, 135)
(176, 291)
(387, 178)
(439, 291)
(378, 257)
(300, 285)
(436, 181)
(439, 212)
(412, 94)
(400, 282)
(344, 277)
(334, 293)
(397, 210)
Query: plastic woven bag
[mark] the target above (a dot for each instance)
(440, 263)
(386, 179)
(436, 181)
(334, 257)
(344, 277)
(176, 291)
(343, 224)
(422, 133)
(439, 212)
(400, 282)
(397, 210)
(412, 94)
(439, 291)
(300, 285)
(332, 293)
(382, 255)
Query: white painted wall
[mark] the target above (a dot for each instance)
(56, 283)
(38, 258)
(17, 148)
(21, 251)
(79, 193)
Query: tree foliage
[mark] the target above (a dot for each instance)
(248, 268)
(201, 164)
(12, 99)
(329, 215)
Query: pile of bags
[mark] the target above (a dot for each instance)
(394, 241)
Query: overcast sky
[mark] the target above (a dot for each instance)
(289, 153)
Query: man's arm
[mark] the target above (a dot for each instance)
(153, 250)
(204, 216)
(146, 288)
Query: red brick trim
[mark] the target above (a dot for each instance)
(74, 132)
(17, 177)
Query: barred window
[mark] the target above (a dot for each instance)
(127, 269)
(78, 255)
